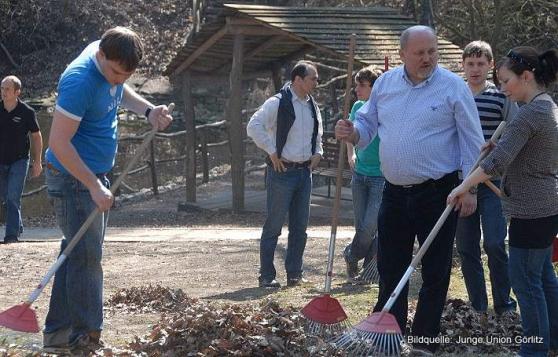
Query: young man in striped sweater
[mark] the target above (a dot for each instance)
(493, 107)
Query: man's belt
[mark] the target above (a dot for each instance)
(444, 180)
(296, 165)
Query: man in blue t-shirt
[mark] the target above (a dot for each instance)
(82, 149)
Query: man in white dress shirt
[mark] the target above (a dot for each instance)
(288, 127)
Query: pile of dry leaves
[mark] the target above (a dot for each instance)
(191, 327)
(474, 333)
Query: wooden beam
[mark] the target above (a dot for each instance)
(236, 130)
(253, 30)
(190, 137)
(200, 50)
(260, 48)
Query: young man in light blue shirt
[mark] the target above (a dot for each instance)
(82, 149)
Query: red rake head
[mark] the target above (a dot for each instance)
(20, 318)
(379, 322)
(325, 310)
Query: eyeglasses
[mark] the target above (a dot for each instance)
(516, 57)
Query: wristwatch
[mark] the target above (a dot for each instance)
(473, 190)
(147, 111)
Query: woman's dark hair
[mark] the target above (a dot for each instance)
(524, 58)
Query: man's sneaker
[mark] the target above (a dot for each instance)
(269, 284)
(57, 342)
(296, 281)
(10, 239)
(352, 269)
(86, 344)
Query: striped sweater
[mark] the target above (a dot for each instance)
(527, 158)
(494, 107)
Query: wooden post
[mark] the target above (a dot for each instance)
(190, 136)
(276, 76)
(203, 149)
(154, 182)
(236, 130)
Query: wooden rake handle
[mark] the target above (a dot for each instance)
(92, 216)
(340, 165)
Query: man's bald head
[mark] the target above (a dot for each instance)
(414, 30)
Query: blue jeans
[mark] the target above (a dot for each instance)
(468, 236)
(287, 192)
(367, 196)
(12, 181)
(77, 292)
(406, 213)
(536, 288)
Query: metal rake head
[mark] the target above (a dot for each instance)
(370, 274)
(326, 331)
(377, 335)
(365, 343)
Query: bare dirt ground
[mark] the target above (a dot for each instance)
(217, 271)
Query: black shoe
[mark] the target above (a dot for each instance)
(269, 284)
(10, 239)
(295, 281)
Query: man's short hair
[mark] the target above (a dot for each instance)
(368, 74)
(16, 81)
(301, 69)
(122, 45)
(408, 31)
(478, 49)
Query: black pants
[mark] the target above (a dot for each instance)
(406, 213)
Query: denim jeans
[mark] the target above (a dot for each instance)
(77, 292)
(287, 192)
(406, 214)
(536, 288)
(12, 181)
(367, 196)
(468, 236)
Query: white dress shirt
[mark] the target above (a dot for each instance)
(262, 128)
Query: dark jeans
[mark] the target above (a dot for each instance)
(468, 237)
(287, 192)
(12, 181)
(406, 213)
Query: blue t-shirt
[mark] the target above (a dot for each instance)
(85, 95)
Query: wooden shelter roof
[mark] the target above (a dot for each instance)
(278, 34)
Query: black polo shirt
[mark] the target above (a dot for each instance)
(14, 132)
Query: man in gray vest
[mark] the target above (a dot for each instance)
(288, 126)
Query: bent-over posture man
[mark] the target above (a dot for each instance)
(288, 126)
(82, 149)
(17, 123)
(428, 126)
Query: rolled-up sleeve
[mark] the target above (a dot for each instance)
(469, 129)
(263, 125)
(366, 122)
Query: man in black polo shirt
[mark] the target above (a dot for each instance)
(17, 120)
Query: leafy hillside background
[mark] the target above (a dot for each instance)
(39, 37)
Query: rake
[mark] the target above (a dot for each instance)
(324, 314)
(370, 274)
(21, 317)
(379, 334)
